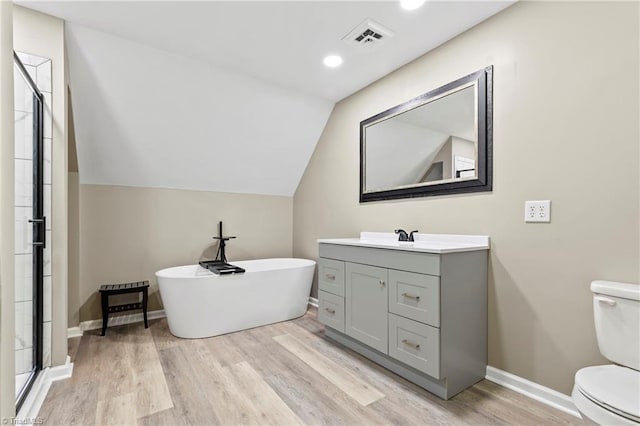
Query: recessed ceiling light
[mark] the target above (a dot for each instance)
(411, 4)
(333, 61)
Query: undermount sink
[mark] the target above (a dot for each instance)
(431, 243)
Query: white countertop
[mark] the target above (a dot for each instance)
(426, 243)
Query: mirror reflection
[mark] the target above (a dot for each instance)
(438, 143)
(428, 144)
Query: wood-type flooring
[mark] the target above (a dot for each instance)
(280, 374)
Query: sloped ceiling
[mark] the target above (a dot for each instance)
(146, 117)
(226, 96)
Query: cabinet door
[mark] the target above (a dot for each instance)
(366, 305)
(415, 296)
(331, 310)
(331, 276)
(415, 344)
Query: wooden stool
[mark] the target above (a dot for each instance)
(111, 289)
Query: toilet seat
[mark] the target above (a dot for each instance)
(613, 388)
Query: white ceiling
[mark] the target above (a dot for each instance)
(150, 118)
(226, 96)
(282, 42)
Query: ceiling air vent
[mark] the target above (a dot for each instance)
(368, 34)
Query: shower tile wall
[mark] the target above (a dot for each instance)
(40, 71)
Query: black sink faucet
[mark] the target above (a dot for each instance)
(402, 235)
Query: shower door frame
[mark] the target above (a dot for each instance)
(38, 222)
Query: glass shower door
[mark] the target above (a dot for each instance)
(29, 230)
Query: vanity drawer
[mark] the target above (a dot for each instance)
(331, 276)
(415, 344)
(331, 310)
(415, 296)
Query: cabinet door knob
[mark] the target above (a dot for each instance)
(382, 283)
(411, 344)
(410, 296)
(330, 277)
(331, 311)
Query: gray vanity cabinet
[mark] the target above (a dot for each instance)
(366, 305)
(422, 315)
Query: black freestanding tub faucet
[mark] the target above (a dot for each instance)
(221, 255)
(220, 266)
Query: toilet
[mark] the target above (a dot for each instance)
(610, 394)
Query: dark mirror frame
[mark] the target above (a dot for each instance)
(483, 181)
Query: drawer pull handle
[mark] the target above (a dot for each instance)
(331, 311)
(411, 344)
(410, 296)
(330, 277)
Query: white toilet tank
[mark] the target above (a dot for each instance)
(616, 309)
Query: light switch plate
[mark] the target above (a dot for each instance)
(537, 211)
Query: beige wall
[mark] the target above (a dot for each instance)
(43, 35)
(73, 289)
(565, 129)
(7, 222)
(127, 233)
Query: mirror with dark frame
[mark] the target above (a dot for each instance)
(435, 144)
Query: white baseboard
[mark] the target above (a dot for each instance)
(74, 332)
(533, 390)
(313, 301)
(113, 320)
(32, 404)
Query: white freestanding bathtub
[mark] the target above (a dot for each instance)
(199, 303)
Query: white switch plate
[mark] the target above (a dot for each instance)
(537, 211)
